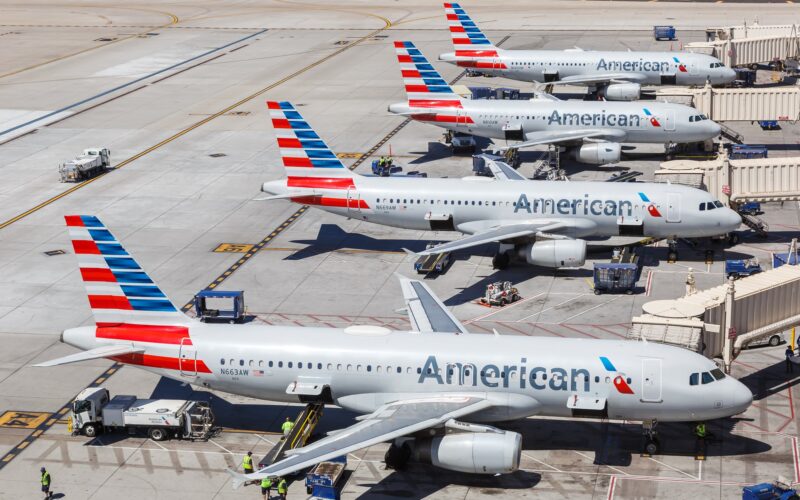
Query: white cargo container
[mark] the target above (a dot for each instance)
(91, 163)
(93, 411)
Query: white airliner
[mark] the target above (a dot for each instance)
(593, 130)
(437, 378)
(616, 75)
(541, 222)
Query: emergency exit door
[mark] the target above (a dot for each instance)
(669, 121)
(673, 207)
(353, 201)
(187, 358)
(651, 381)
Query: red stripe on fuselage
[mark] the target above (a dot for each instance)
(476, 53)
(321, 182)
(435, 117)
(97, 274)
(153, 361)
(419, 103)
(327, 201)
(157, 334)
(109, 302)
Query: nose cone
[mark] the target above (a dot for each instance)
(728, 75)
(731, 220)
(740, 397)
(712, 128)
(399, 108)
(82, 337)
(449, 57)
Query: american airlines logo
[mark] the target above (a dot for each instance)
(681, 66)
(574, 206)
(640, 65)
(595, 119)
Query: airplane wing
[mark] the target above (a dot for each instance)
(503, 171)
(601, 78)
(499, 233)
(425, 311)
(387, 422)
(552, 137)
(99, 352)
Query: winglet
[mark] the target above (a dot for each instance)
(237, 479)
(408, 252)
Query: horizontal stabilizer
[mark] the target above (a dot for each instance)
(284, 196)
(100, 352)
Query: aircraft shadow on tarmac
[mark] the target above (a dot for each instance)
(772, 379)
(332, 238)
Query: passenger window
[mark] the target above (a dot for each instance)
(694, 378)
(251, 363)
(369, 368)
(319, 366)
(289, 365)
(222, 361)
(399, 369)
(241, 362)
(707, 378)
(270, 364)
(280, 364)
(260, 363)
(330, 366)
(717, 373)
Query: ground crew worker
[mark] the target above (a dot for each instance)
(701, 432)
(789, 355)
(45, 479)
(287, 426)
(382, 161)
(266, 488)
(282, 488)
(247, 463)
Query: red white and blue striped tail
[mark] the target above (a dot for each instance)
(424, 85)
(304, 154)
(120, 292)
(466, 35)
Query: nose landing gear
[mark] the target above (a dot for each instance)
(650, 442)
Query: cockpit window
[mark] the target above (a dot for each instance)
(702, 206)
(694, 378)
(703, 117)
(707, 378)
(718, 204)
(717, 373)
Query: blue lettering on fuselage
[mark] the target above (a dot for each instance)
(492, 376)
(573, 206)
(595, 119)
(640, 65)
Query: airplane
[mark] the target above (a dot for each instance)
(616, 75)
(431, 390)
(539, 222)
(591, 130)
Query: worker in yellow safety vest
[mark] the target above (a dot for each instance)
(282, 488)
(45, 479)
(701, 432)
(266, 487)
(287, 426)
(247, 463)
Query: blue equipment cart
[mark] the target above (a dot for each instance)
(769, 125)
(747, 151)
(610, 277)
(664, 32)
(749, 208)
(321, 481)
(768, 491)
(738, 268)
(206, 314)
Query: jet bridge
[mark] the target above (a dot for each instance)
(749, 45)
(780, 103)
(719, 322)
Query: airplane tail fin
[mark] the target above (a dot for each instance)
(424, 85)
(308, 161)
(119, 291)
(468, 39)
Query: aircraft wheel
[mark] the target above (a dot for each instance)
(652, 446)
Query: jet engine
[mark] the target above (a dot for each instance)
(471, 452)
(598, 153)
(555, 253)
(620, 91)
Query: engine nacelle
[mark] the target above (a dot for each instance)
(620, 91)
(471, 452)
(598, 153)
(555, 253)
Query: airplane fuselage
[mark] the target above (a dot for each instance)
(653, 68)
(475, 204)
(637, 122)
(366, 367)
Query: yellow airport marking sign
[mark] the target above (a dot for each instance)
(23, 419)
(354, 156)
(234, 248)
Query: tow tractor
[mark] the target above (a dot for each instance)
(93, 411)
(738, 268)
(436, 263)
(500, 293)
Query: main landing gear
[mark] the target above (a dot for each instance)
(650, 438)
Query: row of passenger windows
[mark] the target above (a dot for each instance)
(697, 118)
(707, 205)
(549, 204)
(529, 64)
(706, 377)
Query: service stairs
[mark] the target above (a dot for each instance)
(757, 224)
(731, 134)
(304, 426)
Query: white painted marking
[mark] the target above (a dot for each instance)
(219, 445)
(10, 118)
(142, 66)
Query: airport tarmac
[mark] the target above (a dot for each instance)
(177, 92)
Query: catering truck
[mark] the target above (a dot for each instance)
(94, 411)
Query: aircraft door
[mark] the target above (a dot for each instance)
(669, 121)
(651, 381)
(461, 119)
(673, 207)
(353, 201)
(187, 358)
